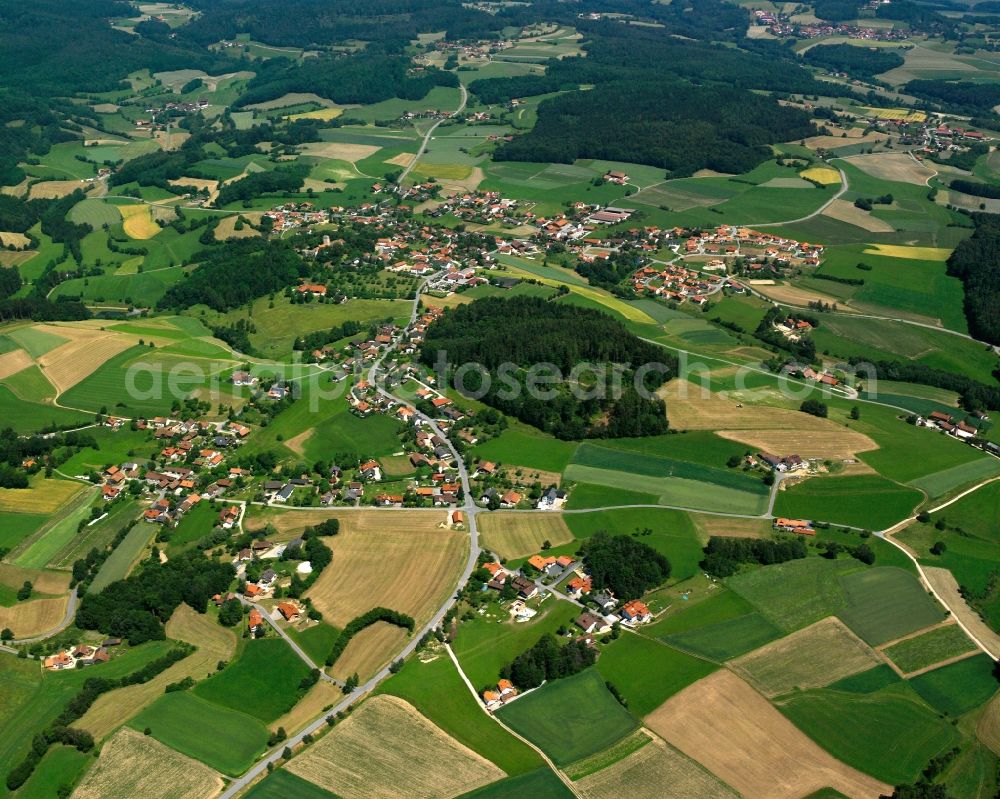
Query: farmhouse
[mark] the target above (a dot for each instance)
(799, 526)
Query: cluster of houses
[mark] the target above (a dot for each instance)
(193, 447)
(758, 248)
(81, 655)
(808, 373)
(676, 282)
(782, 27)
(579, 221)
(481, 207)
(295, 215)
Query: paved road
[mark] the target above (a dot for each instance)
(470, 508)
(427, 136)
(468, 684)
(66, 621)
(840, 193)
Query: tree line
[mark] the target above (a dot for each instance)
(60, 731)
(548, 660)
(724, 555)
(976, 262)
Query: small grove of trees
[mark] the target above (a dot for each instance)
(623, 565)
(231, 613)
(366, 620)
(137, 607)
(725, 555)
(815, 408)
(548, 660)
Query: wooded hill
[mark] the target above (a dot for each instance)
(506, 337)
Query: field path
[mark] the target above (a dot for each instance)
(565, 780)
(427, 138)
(844, 186)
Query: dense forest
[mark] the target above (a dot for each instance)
(858, 62)
(976, 262)
(956, 95)
(283, 179)
(306, 23)
(366, 78)
(497, 341)
(628, 55)
(679, 127)
(237, 274)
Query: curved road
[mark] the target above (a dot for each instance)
(470, 509)
(66, 621)
(427, 136)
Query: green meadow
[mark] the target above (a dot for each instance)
(263, 681)
(570, 718)
(909, 732)
(647, 672)
(868, 501)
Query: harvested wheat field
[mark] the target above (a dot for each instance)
(138, 222)
(170, 140)
(44, 496)
(290, 523)
(54, 189)
(320, 697)
(793, 295)
(988, 729)
(389, 563)
(339, 150)
(943, 582)
(907, 251)
(517, 535)
(86, 350)
(16, 239)
(369, 651)
(403, 159)
(226, 229)
(644, 775)
(44, 581)
(843, 211)
(779, 430)
(837, 444)
(13, 362)
(734, 732)
(214, 643)
(34, 617)
(730, 527)
(365, 756)
(853, 137)
(821, 174)
(893, 166)
(813, 657)
(132, 764)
